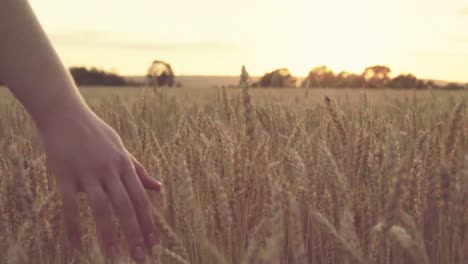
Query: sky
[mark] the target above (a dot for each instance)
(428, 38)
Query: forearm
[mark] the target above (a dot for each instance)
(31, 68)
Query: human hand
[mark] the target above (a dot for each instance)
(87, 155)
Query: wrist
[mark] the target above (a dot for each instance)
(61, 115)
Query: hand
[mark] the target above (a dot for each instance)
(87, 155)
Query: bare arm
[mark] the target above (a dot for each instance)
(31, 67)
(85, 154)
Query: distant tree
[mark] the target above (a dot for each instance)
(244, 81)
(376, 76)
(278, 78)
(348, 80)
(403, 81)
(320, 76)
(454, 86)
(431, 84)
(160, 74)
(93, 76)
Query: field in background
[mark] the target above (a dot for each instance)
(202, 93)
(195, 81)
(263, 176)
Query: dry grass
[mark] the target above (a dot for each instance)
(287, 176)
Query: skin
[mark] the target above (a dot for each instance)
(83, 152)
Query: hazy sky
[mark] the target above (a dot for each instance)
(215, 37)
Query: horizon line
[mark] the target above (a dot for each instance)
(260, 76)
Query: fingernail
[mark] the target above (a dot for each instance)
(112, 251)
(158, 187)
(138, 253)
(151, 239)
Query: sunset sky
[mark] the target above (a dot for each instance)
(215, 37)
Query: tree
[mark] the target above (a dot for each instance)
(406, 81)
(348, 80)
(432, 85)
(160, 74)
(244, 81)
(278, 78)
(93, 76)
(454, 86)
(376, 76)
(320, 76)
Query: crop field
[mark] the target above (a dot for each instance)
(262, 176)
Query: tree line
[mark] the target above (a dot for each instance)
(160, 73)
(377, 76)
(92, 76)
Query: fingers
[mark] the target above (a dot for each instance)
(141, 204)
(147, 181)
(103, 217)
(125, 211)
(124, 190)
(71, 214)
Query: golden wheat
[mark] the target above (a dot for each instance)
(264, 176)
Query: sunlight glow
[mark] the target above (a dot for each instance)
(212, 37)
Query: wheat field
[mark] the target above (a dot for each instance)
(262, 176)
